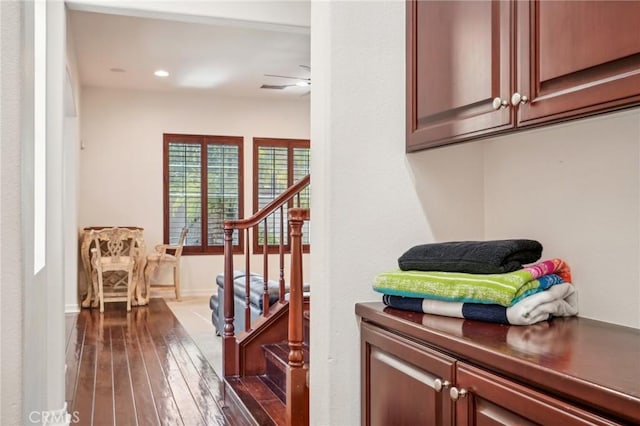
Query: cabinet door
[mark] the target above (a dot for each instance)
(493, 400)
(576, 58)
(403, 383)
(459, 57)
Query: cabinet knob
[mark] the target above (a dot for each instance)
(500, 103)
(456, 393)
(439, 384)
(517, 99)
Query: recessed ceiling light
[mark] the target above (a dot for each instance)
(116, 70)
(161, 73)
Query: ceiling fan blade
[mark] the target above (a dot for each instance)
(276, 86)
(285, 76)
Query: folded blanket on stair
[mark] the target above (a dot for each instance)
(560, 300)
(502, 289)
(474, 257)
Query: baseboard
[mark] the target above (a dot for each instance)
(72, 308)
(170, 293)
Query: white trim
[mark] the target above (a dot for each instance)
(129, 9)
(72, 308)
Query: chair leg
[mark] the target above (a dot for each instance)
(129, 289)
(148, 270)
(176, 280)
(100, 292)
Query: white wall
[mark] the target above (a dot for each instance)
(121, 163)
(365, 209)
(11, 287)
(70, 174)
(576, 188)
(32, 300)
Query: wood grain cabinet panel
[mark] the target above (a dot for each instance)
(451, 77)
(576, 58)
(402, 383)
(420, 369)
(493, 400)
(480, 68)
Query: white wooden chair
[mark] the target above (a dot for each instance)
(115, 251)
(166, 255)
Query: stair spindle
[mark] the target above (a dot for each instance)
(229, 344)
(265, 271)
(281, 254)
(297, 390)
(247, 286)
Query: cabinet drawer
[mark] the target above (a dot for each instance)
(491, 399)
(403, 383)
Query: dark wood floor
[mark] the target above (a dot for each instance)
(139, 368)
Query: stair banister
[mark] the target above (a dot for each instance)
(230, 358)
(269, 208)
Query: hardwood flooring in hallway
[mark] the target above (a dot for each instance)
(139, 368)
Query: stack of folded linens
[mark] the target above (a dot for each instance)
(494, 281)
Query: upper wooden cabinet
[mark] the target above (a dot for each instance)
(576, 58)
(459, 58)
(477, 68)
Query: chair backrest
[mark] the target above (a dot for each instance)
(183, 236)
(116, 242)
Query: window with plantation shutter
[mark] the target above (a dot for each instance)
(278, 164)
(202, 188)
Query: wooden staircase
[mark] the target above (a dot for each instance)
(265, 366)
(262, 398)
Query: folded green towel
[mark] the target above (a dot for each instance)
(502, 289)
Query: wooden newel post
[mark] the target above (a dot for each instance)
(229, 352)
(297, 390)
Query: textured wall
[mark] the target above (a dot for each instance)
(11, 350)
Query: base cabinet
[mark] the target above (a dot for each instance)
(419, 369)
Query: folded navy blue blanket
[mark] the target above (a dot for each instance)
(473, 257)
(560, 300)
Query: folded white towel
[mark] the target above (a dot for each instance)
(560, 300)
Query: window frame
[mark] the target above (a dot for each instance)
(204, 141)
(290, 144)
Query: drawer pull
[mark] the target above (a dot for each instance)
(439, 384)
(518, 99)
(456, 393)
(499, 103)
